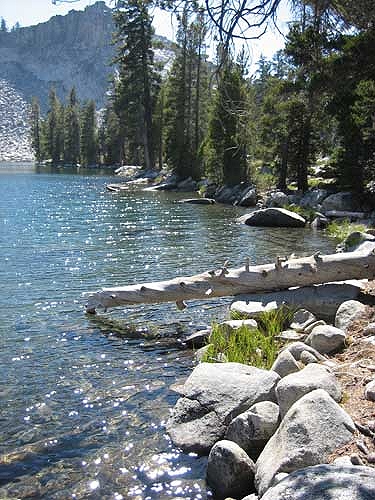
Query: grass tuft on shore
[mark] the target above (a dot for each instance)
(252, 346)
(340, 230)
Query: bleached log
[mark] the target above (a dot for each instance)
(281, 275)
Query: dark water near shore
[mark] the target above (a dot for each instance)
(82, 410)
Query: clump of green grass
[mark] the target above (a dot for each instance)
(238, 315)
(340, 230)
(253, 346)
(307, 213)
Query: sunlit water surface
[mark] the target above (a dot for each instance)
(84, 400)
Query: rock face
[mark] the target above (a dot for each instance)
(252, 429)
(344, 201)
(14, 125)
(212, 396)
(292, 387)
(326, 482)
(300, 440)
(230, 472)
(273, 217)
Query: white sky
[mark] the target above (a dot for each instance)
(29, 12)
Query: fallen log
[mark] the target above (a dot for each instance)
(284, 273)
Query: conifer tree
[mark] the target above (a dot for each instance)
(225, 149)
(89, 136)
(36, 139)
(71, 130)
(133, 99)
(54, 140)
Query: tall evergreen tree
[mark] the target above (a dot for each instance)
(72, 130)
(134, 101)
(89, 136)
(36, 135)
(54, 140)
(225, 148)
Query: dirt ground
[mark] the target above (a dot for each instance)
(355, 368)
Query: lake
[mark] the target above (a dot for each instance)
(84, 400)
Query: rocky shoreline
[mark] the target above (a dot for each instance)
(295, 431)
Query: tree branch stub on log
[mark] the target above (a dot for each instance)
(283, 274)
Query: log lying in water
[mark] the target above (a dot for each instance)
(281, 275)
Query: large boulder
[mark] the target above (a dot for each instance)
(187, 185)
(297, 348)
(214, 394)
(313, 198)
(326, 339)
(229, 194)
(312, 429)
(248, 197)
(230, 471)
(344, 201)
(349, 311)
(273, 217)
(314, 376)
(326, 482)
(277, 199)
(252, 429)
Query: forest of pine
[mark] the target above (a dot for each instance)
(310, 109)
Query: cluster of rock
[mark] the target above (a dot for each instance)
(15, 143)
(269, 433)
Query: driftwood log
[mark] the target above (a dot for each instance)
(284, 273)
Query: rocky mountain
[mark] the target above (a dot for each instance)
(66, 51)
(14, 125)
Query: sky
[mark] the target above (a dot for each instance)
(30, 12)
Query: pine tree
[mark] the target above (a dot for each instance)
(111, 138)
(71, 130)
(225, 149)
(133, 100)
(89, 136)
(54, 140)
(36, 129)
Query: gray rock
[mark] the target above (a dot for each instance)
(273, 217)
(307, 358)
(228, 194)
(311, 327)
(370, 391)
(277, 199)
(252, 429)
(348, 312)
(297, 348)
(279, 477)
(248, 198)
(230, 472)
(313, 198)
(253, 496)
(292, 387)
(291, 335)
(344, 201)
(200, 353)
(326, 482)
(302, 319)
(285, 364)
(312, 429)
(213, 395)
(343, 461)
(369, 329)
(198, 339)
(326, 339)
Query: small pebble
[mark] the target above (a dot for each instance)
(370, 391)
(362, 447)
(371, 458)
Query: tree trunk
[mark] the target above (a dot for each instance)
(280, 275)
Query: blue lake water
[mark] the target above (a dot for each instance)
(82, 409)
